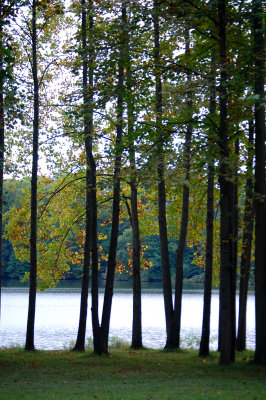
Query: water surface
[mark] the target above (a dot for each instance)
(57, 316)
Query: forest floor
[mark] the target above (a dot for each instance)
(127, 374)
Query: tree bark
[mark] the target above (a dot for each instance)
(185, 210)
(259, 197)
(91, 245)
(87, 117)
(136, 341)
(2, 143)
(205, 334)
(166, 274)
(109, 286)
(246, 247)
(234, 245)
(226, 204)
(33, 220)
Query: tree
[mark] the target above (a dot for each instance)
(166, 275)
(259, 197)
(205, 334)
(185, 203)
(29, 345)
(37, 80)
(136, 342)
(108, 294)
(226, 328)
(87, 60)
(248, 225)
(2, 136)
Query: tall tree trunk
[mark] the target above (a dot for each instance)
(136, 340)
(185, 210)
(97, 337)
(205, 334)
(2, 138)
(109, 286)
(33, 220)
(259, 198)
(88, 127)
(91, 235)
(2, 133)
(226, 203)
(166, 274)
(246, 247)
(234, 246)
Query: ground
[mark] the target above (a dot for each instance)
(127, 374)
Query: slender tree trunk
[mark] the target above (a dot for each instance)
(185, 211)
(97, 336)
(2, 138)
(259, 198)
(246, 247)
(136, 341)
(33, 232)
(109, 286)
(166, 274)
(91, 239)
(226, 203)
(91, 203)
(80, 342)
(205, 334)
(234, 246)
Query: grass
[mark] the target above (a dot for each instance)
(127, 374)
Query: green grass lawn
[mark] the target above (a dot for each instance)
(127, 374)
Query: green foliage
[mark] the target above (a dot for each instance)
(58, 219)
(62, 190)
(12, 268)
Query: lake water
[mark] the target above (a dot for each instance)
(57, 316)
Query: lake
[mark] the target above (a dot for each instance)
(57, 316)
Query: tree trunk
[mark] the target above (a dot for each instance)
(97, 337)
(88, 125)
(205, 334)
(166, 274)
(2, 139)
(33, 220)
(109, 286)
(91, 239)
(226, 204)
(136, 341)
(246, 247)
(234, 246)
(185, 211)
(259, 198)
(91, 242)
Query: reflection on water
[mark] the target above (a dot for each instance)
(57, 314)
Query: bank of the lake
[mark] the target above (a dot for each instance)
(127, 374)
